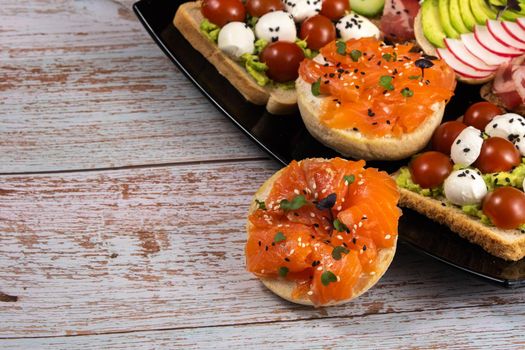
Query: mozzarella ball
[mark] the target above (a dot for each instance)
(519, 143)
(507, 126)
(276, 26)
(467, 146)
(465, 187)
(354, 26)
(302, 9)
(236, 39)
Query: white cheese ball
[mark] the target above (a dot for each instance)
(467, 146)
(519, 143)
(302, 9)
(354, 26)
(236, 39)
(276, 26)
(507, 126)
(465, 187)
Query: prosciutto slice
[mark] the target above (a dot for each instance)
(509, 83)
(397, 22)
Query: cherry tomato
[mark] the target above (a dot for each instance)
(505, 206)
(480, 114)
(283, 59)
(497, 154)
(445, 135)
(221, 12)
(335, 9)
(318, 31)
(430, 169)
(257, 8)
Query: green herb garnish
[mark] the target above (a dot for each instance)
(386, 82)
(296, 203)
(328, 277)
(407, 92)
(349, 179)
(341, 47)
(279, 237)
(260, 204)
(387, 57)
(414, 77)
(339, 226)
(316, 87)
(336, 253)
(355, 54)
(283, 271)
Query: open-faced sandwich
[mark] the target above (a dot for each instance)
(323, 231)
(473, 180)
(369, 100)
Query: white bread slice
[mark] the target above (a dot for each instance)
(278, 101)
(284, 288)
(352, 143)
(429, 49)
(487, 94)
(506, 244)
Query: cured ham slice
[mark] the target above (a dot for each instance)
(398, 19)
(509, 83)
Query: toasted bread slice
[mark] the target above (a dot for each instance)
(506, 244)
(352, 143)
(429, 49)
(277, 101)
(285, 288)
(487, 94)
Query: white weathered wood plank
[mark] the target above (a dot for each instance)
(497, 327)
(156, 248)
(82, 86)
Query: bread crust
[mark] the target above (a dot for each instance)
(285, 288)
(429, 49)
(278, 101)
(505, 244)
(352, 143)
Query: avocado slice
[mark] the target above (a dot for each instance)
(482, 11)
(466, 14)
(430, 20)
(455, 17)
(443, 6)
(367, 8)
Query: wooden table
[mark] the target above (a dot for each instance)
(123, 196)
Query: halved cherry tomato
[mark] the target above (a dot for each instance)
(430, 169)
(505, 206)
(335, 9)
(445, 135)
(283, 59)
(257, 8)
(497, 154)
(318, 31)
(221, 12)
(480, 114)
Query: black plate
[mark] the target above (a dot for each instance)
(285, 138)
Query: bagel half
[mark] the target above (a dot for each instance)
(429, 49)
(352, 143)
(285, 288)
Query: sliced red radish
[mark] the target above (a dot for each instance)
(485, 39)
(458, 49)
(514, 30)
(480, 52)
(521, 22)
(459, 67)
(501, 35)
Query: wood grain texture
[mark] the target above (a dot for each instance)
(499, 327)
(83, 86)
(157, 248)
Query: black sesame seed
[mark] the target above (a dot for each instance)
(466, 150)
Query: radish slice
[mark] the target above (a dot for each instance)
(480, 52)
(459, 67)
(490, 43)
(500, 34)
(514, 30)
(458, 49)
(521, 22)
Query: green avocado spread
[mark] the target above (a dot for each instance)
(511, 178)
(210, 30)
(255, 68)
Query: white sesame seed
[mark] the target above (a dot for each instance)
(296, 191)
(338, 279)
(314, 186)
(387, 236)
(262, 271)
(345, 84)
(292, 251)
(312, 215)
(369, 97)
(280, 225)
(340, 237)
(360, 224)
(339, 207)
(355, 227)
(370, 261)
(320, 268)
(420, 84)
(372, 273)
(361, 251)
(323, 191)
(310, 292)
(400, 74)
(316, 195)
(327, 228)
(361, 182)
(299, 239)
(387, 94)
(343, 199)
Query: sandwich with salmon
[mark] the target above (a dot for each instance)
(322, 231)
